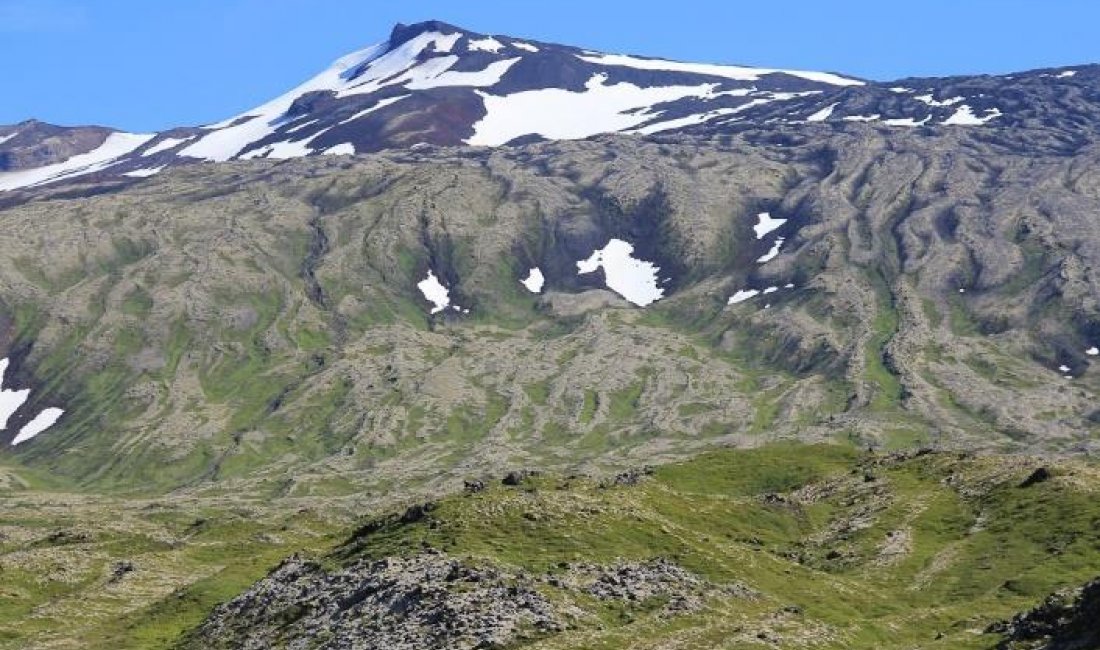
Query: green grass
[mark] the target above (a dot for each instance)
(976, 554)
(801, 525)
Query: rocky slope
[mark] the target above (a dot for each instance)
(1066, 620)
(237, 321)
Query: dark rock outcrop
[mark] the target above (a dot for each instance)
(1067, 620)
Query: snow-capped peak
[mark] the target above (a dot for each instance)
(438, 84)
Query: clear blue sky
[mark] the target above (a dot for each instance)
(152, 64)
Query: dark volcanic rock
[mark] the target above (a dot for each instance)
(1067, 620)
(421, 603)
(1038, 476)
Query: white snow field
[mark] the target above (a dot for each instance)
(44, 420)
(12, 400)
(766, 224)
(631, 278)
(559, 114)
(823, 114)
(487, 44)
(164, 145)
(435, 292)
(342, 149)
(737, 73)
(965, 117)
(146, 172)
(742, 295)
(534, 280)
(773, 253)
(116, 145)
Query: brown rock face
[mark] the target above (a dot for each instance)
(32, 144)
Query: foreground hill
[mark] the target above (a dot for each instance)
(785, 546)
(781, 547)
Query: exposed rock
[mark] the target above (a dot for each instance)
(427, 602)
(1038, 476)
(517, 477)
(1067, 620)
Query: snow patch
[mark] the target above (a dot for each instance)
(631, 278)
(10, 400)
(446, 42)
(44, 420)
(1063, 369)
(526, 47)
(1061, 75)
(861, 118)
(773, 253)
(742, 295)
(435, 292)
(344, 149)
(535, 280)
(164, 145)
(5, 138)
(907, 121)
(931, 101)
(560, 114)
(770, 290)
(1093, 351)
(823, 114)
(737, 73)
(382, 103)
(488, 44)
(766, 224)
(302, 126)
(103, 156)
(438, 75)
(965, 117)
(145, 173)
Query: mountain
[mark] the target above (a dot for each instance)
(436, 84)
(239, 357)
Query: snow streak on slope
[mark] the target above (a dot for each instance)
(10, 400)
(116, 145)
(164, 145)
(237, 133)
(737, 73)
(44, 420)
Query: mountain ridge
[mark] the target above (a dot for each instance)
(436, 84)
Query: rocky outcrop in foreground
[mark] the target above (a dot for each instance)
(432, 601)
(1067, 620)
(428, 601)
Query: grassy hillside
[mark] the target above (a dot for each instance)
(800, 546)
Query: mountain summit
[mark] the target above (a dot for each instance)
(436, 84)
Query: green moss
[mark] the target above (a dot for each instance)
(589, 405)
(137, 303)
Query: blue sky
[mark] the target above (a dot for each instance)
(153, 64)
